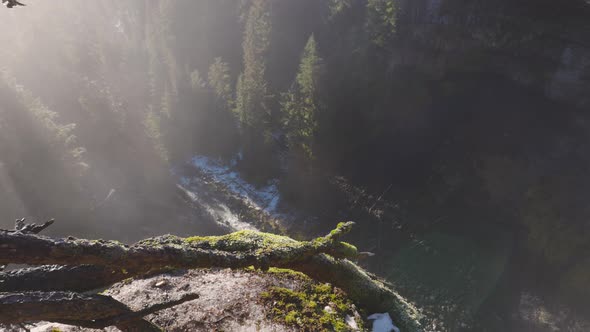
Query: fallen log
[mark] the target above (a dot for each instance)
(91, 311)
(235, 250)
(48, 278)
(324, 259)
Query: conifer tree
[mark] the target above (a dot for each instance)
(301, 105)
(252, 97)
(381, 20)
(252, 90)
(220, 81)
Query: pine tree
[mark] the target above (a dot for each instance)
(252, 89)
(220, 81)
(301, 105)
(338, 6)
(381, 20)
(252, 106)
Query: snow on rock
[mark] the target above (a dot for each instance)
(383, 323)
(351, 322)
(266, 198)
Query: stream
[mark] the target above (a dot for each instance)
(459, 279)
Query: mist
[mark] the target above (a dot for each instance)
(85, 95)
(455, 135)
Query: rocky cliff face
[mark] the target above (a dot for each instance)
(539, 44)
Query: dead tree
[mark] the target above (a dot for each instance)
(325, 259)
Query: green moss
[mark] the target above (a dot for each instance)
(126, 281)
(282, 273)
(290, 273)
(348, 250)
(197, 239)
(244, 241)
(304, 308)
(291, 318)
(270, 246)
(338, 228)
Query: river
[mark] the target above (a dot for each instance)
(463, 280)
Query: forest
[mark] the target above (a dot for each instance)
(455, 134)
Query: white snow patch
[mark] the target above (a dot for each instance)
(266, 198)
(351, 323)
(383, 323)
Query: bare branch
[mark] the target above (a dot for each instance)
(22, 227)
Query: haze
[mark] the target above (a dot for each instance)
(454, 133)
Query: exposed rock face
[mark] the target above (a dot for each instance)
(228, 301)
(539, 44)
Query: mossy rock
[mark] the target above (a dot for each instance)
(312, 307)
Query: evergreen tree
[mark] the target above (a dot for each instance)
(252, 96)
(301, 105)
(381, 20)
(338, 6)
(252, 90)
(220, 81)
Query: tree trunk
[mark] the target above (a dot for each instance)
(324, 259)
(91, 311)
